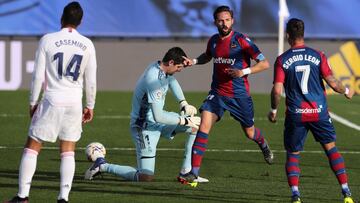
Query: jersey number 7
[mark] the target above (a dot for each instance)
(70, 71)
(305, 69)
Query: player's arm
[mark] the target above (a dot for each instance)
(279, 78)
(253, 51)
(275, 101)
(185, 107)
(168, 118)
(38, 76)
(334, 83)
(338, 87)
(90, 87)
(202, 59)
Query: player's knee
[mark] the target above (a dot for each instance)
(145, 177)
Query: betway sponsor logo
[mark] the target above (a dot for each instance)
(308, 110)
(222, 60)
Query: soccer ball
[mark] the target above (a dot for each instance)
(95, 150)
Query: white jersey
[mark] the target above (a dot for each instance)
(62, 61)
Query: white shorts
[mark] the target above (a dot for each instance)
(49, 122)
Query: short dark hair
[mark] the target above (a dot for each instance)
(295, 28)
(72, 14)
(222, 9)
(176, 54)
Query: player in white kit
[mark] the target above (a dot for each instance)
(63, 61)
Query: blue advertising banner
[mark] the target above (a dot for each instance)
(179, 18)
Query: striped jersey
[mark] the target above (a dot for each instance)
(234, 51)
(301, 70)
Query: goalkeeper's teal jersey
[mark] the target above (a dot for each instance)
(151, 88)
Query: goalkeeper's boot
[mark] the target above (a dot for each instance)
(94, 170)
(268, 155)
(188, 179)
(348, 199)
(295, 199)
(62, 201)
(18, 199)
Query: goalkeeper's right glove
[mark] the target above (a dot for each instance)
(191, 121)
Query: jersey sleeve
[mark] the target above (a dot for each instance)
(176, 89)
(208, 47)
(90, 79)
(38, 75)
(156, 98)
(164, 117)
(279, 74)
(325, 68)
(250, 48)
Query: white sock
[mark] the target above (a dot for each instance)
(186, 165)
(26, 171)
(67, 170)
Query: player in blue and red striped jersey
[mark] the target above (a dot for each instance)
(301, 70)
(231, 52)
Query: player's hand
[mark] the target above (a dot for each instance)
(235, 73)
(32, 110)
(187, 109)
(191, 121)
(272, 117)
(350, 94)
(88, 115)
(187, 61)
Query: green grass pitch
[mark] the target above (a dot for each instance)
(236, 175)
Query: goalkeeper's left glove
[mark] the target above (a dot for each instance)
(187, 109)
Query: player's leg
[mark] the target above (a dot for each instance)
(67, 168)
(199, 147)
(324, 133)
(294, 139)
(145, 142)
(27, 166)
(169, 132)
(70, 128)
(42, 128)
(242, 111)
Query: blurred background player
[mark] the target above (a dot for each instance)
(231, 52)
(301, 70)
(63, 60)
(149, 120)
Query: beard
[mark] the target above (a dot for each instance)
(224, 33)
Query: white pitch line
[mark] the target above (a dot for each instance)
(344, 121)
(179, 149)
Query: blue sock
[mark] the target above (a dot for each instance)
(126, 172)
(186, 165)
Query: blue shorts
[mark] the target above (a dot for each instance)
(241, 109)
(295, 133)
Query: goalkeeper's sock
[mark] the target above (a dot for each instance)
(198, 151)
(337, 165)
(259, 138)
(126, 172)
(293, 172)
(67, 170)
(186, 165)
(26, 171)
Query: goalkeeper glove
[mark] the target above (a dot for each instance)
(187, 109)
(190, 121)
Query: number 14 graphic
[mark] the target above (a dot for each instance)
(74, 61)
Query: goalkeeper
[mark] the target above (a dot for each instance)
(149, 121)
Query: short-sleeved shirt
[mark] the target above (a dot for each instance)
(234, 51)
(301, 70)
